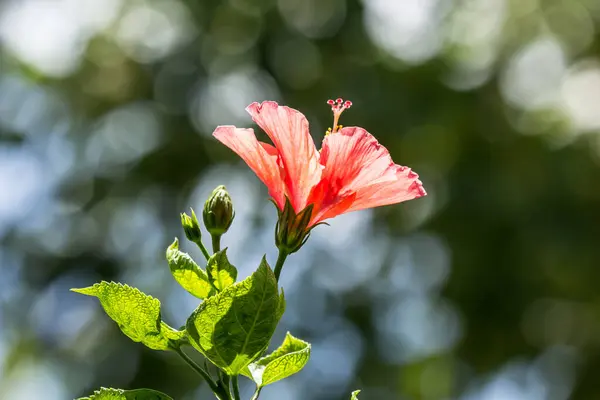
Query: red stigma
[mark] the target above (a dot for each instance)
(338, 105)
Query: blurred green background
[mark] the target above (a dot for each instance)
(488, 288)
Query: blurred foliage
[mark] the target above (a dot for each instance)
(485, 289)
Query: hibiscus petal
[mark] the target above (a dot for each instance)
(405, 186)
(340, 207)
(354, 157)
(260, 157)
(359, 173)
(288, 129)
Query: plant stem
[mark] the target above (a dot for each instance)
(256, 394)
(223, 380)
(216, 243)
(213, 386)
(203, 249)
(279, 265)
(236, 389)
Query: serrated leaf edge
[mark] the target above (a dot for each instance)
(171, 334)
(202, 274)
(288, 335)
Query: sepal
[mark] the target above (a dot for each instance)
(291, 230)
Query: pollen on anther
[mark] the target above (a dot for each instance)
(339, 100)
(347, 104)
(330, 102)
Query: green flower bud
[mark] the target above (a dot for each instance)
(191, 226)
(218, 211)
(292, 231)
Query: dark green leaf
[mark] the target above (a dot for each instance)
(137, 314)
(233, 327)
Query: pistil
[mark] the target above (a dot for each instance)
(338, 106)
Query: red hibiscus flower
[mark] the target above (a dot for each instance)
(351, 172)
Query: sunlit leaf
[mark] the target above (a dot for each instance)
(234, 327)
(187, 273)
(288, 359)
(355, 395)
(220, 272)
(137, 314)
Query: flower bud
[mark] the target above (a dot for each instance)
(292, 231)
(218, 211)
(191, 227)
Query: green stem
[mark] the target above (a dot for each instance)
(203, 249)
(213, 386)
(223, 380)
(216, 243)
(256, 394)
(279, 265)
(236, 389)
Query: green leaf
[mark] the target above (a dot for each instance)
(282, 305)
(137, 314)
(246, 371)
(355, 395)
(187, 273)
(288, 359)
(281, 310)
(221, 273)
(234, 327)
(120, 394)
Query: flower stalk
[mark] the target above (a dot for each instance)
(216, 243)
(279, 264)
